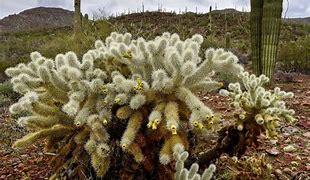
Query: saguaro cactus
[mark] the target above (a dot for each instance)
(256, 18)
(210, 19)
(271, 24)
(265, 31)
(77, 25)
(77, 17)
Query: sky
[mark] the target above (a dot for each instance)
(297, 8)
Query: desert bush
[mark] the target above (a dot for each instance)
(294, 56)
(6, 90)
(131, 103)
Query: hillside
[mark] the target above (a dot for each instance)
(287, 157)
(16, 46)
(37, 18)
(300, 20)
(222, 21)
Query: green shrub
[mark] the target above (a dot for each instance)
(294, 56)
(6, 90)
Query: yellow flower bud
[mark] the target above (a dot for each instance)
(117, 100)
(156, 121)
(104, 88)
(196, 123)
(128, 54)
(78, 124)
(149, 125)
(154, 126)
(139, 85)
(124, 146)
(173, 129)
(200, 126)
(104, 121)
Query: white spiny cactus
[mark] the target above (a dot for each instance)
(266, 107)
(161, 75)
(190, 174)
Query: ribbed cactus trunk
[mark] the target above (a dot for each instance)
(265, 31)
(77, 25)
(210, 19)
(77, 17)
(256, 29)
(271, 24)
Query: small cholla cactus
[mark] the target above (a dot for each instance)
(148, 85)
(191, 174)
(256, 104)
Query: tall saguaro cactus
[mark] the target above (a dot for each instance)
(77, 17)
(255, 20)
(265, 31)
(77, 25)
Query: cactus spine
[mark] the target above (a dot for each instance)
(265, 31)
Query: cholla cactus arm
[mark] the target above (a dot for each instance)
(218, 61)
(133, 126)
(185, 174)
(100, 159)
(42, 134)
(155, 116)
(172, 117)
(124, 112)
(136, 151)
(255, 104)
(165, 152)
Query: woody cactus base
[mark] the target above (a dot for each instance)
(128, 108)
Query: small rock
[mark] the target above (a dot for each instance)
(287, 170)
(273, 141)
(289, 148)
(294, 163)
(278, 172)
(273, 151)
(307, 168)
(24, 155)
(306, 134)
(289, 130)
(306, 104)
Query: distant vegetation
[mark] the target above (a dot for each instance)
(16, 47)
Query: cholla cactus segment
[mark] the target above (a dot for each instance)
(255, 103)
(190, 174)
(146, 83)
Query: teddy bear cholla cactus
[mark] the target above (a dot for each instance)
(164, 74)
(256, 103)
(145, 84)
